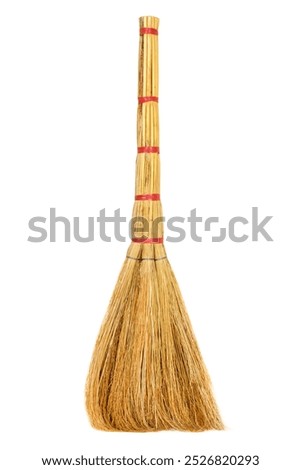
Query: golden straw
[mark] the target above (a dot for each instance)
(147, 373)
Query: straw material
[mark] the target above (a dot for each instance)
(146, 372)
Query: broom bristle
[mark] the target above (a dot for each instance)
(147, 373)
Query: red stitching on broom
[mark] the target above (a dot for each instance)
(148, 31)
(148, 149)
(147, 197)
(147, 240)
(146, 99)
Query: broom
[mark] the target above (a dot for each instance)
(146, 372)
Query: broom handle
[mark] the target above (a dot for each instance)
(148, 116)
(147, 187)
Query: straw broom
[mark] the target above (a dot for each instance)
(146, 372)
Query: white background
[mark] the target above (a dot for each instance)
(230, 119)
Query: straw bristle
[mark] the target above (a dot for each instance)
(147, 373)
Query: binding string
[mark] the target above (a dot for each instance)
(147, 197)
(147, 259)
(147, 240)
(147, 99)
(148, 31)
(148, 149)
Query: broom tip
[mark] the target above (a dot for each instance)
(147, 373)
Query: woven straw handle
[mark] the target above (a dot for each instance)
(148, 123)
(147, 191)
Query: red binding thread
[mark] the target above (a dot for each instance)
(148, 31)
(147, 240)
(146, 99)
(147, 197)
(148, 149)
